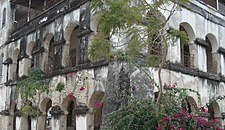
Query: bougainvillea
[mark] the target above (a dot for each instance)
(174, 114)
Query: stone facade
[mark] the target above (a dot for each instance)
(56, 41)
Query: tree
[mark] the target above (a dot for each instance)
(148, 37)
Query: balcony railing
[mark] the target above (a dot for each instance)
(35, 12)
(212, 67)
(188, 60)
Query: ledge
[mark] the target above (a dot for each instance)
(200, 41)
(194, 72)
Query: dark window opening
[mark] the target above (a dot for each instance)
(211, 64)
(155, 47)
(29, 122)
(14, 117)
(16, 74)
(4, 17)
(54, 57)
(71, 117)
(211, 112)
(74, 42)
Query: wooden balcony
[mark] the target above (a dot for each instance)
(42, 15)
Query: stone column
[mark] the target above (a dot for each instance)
(81, 117)
(65, 54)
(63, 122)
(41, 123)
(25, 64)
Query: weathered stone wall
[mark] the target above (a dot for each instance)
(104, 80)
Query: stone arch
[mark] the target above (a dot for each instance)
(68, 30)
(43, 120)
(214, 110)
(212, 57)
(187, 50)
(15, 55)
(97, 98)
(189, 30)
(44, 106)
(213, 41)
(15, 66)
(30, 47)
(70, 49)
(47, 67)
(192, 103)
(68, 105)
(47, 40)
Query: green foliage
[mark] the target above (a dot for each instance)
(173, 111)
(152, 60)
(28, 110)
(137, 115)
(60, 86)
(143, 24)
(29, 87)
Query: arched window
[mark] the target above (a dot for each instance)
(187, 58)
(74, 42)
(4, 17)
(211, 61)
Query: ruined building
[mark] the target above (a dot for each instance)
(54, 35)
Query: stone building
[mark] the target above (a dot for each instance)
(54, 35)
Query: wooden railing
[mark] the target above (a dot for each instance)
(188, 60)
(34, 13)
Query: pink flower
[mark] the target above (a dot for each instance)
(70, 96)
(218, 128)
(82, 88)
(158, 128)
(133, 88)
(175, 115)
(181, 128)
(98, 104)
(172, 127)
(183, 112)
(203, 109)
(166, 118)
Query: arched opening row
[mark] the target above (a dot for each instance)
(48, 55)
